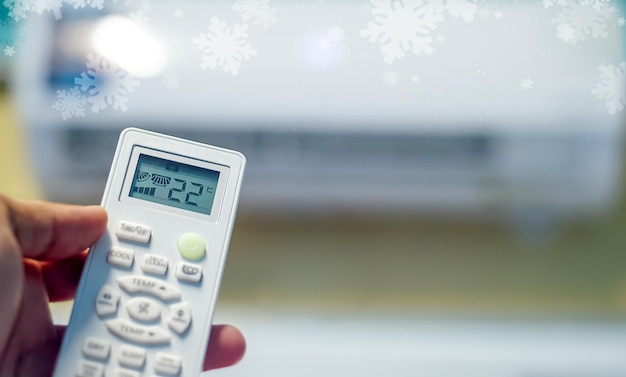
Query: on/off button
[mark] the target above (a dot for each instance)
(192, 246)
(133, 232)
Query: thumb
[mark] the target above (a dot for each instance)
(49, 231)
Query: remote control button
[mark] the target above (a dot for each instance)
(189, 272)
(192, 246)
(133, 357)
(154, 264)
(138, 334)
(180, 317)
(89, 369)
(125, 373)
(96, 348)
(120, 257)
(167, 364)
(143, 309)
(107, 301)
(151, 286)
(133, 232)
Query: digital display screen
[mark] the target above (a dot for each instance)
(174, 184)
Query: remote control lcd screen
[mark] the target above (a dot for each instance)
(174, 184)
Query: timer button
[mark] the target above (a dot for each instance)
(192, 246)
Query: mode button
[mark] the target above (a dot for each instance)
(133, 232)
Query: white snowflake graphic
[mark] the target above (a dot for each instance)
(415, 79)
(323, 44)
(335, 34)
(224, 46)
(70, 103)
(484, 13)
(18, 9)
(132, 4)
(465, 9)
(565, 33)
(107, 84)
(258, 11)
(97, 4)
(621, 21)
(391, 78)
(171, 80)
(527, 84)
(178, 13)
(587, 18)
(139, 18)
(551, 3)
(9, 51)
(402, 26)
(11, 32)
(54, 6)
(612, 87)
(498, 15)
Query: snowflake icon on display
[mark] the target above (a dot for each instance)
(402, 26)
(224, 46)
(178, 13)
(587, 19)
(258, 11)
(621, 21)
(70, 103)
(107, 84)
(527, 84)
(612, 87)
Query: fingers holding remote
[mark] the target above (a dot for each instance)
(226, 347)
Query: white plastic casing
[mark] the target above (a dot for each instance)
(167, 224)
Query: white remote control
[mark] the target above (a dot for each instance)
(145, 302)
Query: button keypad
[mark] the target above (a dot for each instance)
(128, 360)
(96, 348)
(132, 357)
(120, 257)
(189, 272)
(148, 285)
(180, 317)
(125, 373)
(154, 264)
(133, 232)
(143, 309)
(136, 333)
(167, 364)
(107, 301)
(89, 369)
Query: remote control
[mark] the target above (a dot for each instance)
(146, 298)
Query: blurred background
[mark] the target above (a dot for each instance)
(434, 188)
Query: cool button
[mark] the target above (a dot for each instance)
(191, 246)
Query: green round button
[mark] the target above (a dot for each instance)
(191, 246)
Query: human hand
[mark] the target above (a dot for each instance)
(42, 252)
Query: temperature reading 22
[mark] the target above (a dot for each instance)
(178, 192)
